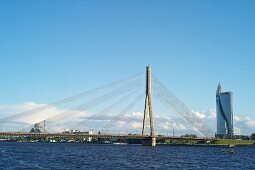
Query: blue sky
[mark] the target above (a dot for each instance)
(53, 49)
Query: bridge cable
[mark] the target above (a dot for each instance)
(101, 113)
(90, 104)
(175, 104)
(119, 116)
(65, 100)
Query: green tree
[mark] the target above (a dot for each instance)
(190, 135)
(253, 136)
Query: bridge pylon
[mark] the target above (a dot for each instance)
(151, 140)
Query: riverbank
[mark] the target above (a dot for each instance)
(230, 142)
(215, 142)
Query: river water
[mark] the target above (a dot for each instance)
(16, 155)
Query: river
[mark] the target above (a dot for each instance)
(16, 155)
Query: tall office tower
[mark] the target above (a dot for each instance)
(224, 112)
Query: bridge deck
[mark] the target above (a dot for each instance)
(84, 135)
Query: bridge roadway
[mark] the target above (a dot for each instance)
(84, 135)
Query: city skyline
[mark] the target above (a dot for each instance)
(49, 56)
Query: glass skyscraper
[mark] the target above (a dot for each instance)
(224, 112)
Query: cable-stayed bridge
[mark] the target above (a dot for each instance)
(113, 110)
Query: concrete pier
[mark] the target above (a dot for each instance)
(150, 141)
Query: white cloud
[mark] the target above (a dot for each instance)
(244, 123)
(208, 114)
(249, 122)
(131, 120)
(136, 125)
(8, 110)
(30, 119)
(211, 114)
(120, 124)
(51, 114)
(166, 125)
(236, 118)
(135, 115)
(200, 115)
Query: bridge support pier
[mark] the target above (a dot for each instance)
(150, 141)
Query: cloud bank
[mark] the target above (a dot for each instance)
(164, 124)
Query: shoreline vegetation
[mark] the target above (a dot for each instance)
(216, 142)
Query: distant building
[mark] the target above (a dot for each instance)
(90, 132)
(224, 112)
(88, 139)
(38, 128)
